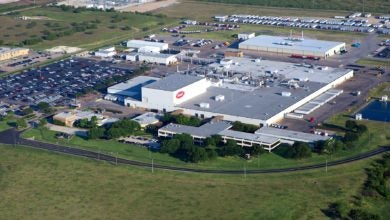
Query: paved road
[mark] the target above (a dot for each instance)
(12, 137)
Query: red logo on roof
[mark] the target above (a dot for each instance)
(180, 94)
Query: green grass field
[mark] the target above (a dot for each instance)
(381, 90)
(372, 62)
(349, 5)
(36, 183)
(13, 30)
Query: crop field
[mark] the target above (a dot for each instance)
(36, 183)
(53, 26)
(350, 5)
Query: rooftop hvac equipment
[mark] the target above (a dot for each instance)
(219, 98)
(204, 105)
(286, 94)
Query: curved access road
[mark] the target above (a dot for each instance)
(12, 137)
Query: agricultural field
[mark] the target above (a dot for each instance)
(350, 5)
(51, 26)
(36, 183)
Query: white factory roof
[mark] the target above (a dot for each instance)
(290, 135)
(142, 43)
(157, 55)
(205, 130)
(260, 67)
(262, 103)
(174, 82)
(286, 43)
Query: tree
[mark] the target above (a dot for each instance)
(27, 111)
(196, 154)
(350, 137)
(42, 123)
(170, 146)
(95, 133)
(350, 125)
(231, 148)
(299, 150)
(45, 107)
(21, 123)
(122, 128)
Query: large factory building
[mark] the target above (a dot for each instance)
(273, 90)
(292, 46)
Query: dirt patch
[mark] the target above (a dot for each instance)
(151, 6)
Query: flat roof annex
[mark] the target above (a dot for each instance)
(204, 131)
(290, 135)
(302, 45)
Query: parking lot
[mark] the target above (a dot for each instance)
(57, 83)
(385, 53)
(33, 58)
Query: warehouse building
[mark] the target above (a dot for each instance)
(270, 91)
(130, 88)
(7, 53)
(291, 46)
(158, 58)
(137, 44)
(106, 52)
(246, 35)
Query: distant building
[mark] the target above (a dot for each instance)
(136, 44)
(233, 53)
(292, 46)
(70, 117)
(158, 58)
(148, 118)
(199, 134)
(7, 53)
(246, 35)
(221, 18)
(106, 52)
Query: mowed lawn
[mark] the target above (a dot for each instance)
(36, 184)
(14, 30)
